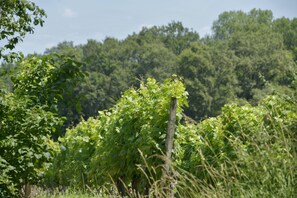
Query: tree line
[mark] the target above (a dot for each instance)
(247, 56)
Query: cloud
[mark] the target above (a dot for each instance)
(69, 13)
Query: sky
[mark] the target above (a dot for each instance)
(78, 20)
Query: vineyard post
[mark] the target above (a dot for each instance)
(169, 139)
(27, 190)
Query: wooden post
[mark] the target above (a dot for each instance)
(27, 190)
(169, 140)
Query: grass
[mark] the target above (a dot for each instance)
(41, 193)
(260, 174)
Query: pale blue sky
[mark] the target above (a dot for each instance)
(80, 20)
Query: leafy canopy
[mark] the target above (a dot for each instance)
(29, 117)
(17, 18)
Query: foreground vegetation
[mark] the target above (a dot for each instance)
(245, 151)
(91, 120)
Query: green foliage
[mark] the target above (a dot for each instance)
(72, 164)
(25, 145)
(245, 149)
(109, 145)
(174, 36)
(238, 21)
(250, 55)
(66, 49)
(5, 81)
(155, 60)
(50, 80)
(208, 71)
(288, 29)
(45, 80)
(137, 122)
(261, 56)
(106, 77)
(113, 66)
(18, 17)
(29, 117)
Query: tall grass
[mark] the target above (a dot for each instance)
(266, 175)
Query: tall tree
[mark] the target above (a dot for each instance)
(231, 22)
(208, 72)
(51, 83)
(288, 29)
(17, 18)
(174, 35)
(29, 117)
(262, 58)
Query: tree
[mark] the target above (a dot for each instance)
(31, 116)
(288, 29)
(5, 72)
(17, 18)
(208, 72)
(174, 35)
(106, 79)
(154, 60)
(261, 57)
(66, 48)
(25, 144)
(239, 21)
(50, 80)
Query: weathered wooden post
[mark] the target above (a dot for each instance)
(27, 190)
(169, 141)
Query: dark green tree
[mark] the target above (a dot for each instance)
(106, 78)
(262, 59)
(174, 35)
(288, 29)
(66, 48)
(231, 22)
(208, 72)
(49, 82)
